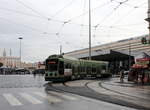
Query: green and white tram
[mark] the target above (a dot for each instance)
(63, 68)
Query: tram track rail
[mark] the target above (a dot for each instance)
(90, 93)
(124, 94)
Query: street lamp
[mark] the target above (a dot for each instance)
(20, 38)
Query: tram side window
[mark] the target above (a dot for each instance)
(93, 70)
(61, 67)
(89, 70)
(103, 67)
(68, 66)
(84, 69)
(79, 69)
(73, 69)
(98, 70)
(61, 64)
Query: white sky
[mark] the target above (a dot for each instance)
(47, 24)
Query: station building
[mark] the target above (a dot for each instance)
(119, 53)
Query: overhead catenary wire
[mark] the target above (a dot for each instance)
(106, 17)
(78, 16)
(33, 10)
(48, 33)
(62, 9)
(82, 20)
(43, 16)
(49, 18)
(56, 13)
(56, 20)
(19, 12)
(128, 13)
(70, 20)
(109, 14)
(111, 27)
(23, 25)
(130, 5)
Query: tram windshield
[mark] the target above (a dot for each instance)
(52, 64)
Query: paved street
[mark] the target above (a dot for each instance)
(27, 92)
(21, 81)
(127, 91)
(111, 90)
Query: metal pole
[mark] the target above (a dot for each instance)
(60, 49)
(148, 19)
(89, 29)
(129, 54)
(20, 49)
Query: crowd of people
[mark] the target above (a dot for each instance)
(137, 75)
(134, 75)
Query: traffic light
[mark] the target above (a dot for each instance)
(143, 40)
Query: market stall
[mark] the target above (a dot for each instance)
(140, 71)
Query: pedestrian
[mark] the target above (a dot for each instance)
(121, 75)
(142, 78)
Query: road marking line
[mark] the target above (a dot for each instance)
(12, 100)
(53, 99)
(40, 94)
(63, 95)
(50, 98)
(30, 98)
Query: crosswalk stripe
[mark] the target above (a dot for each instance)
(53, 99)
(30, 98)
(50, 98)
(12, 100)
(63, 95)
(40, 94)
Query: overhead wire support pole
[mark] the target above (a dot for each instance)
(60, 49)
(89, 29)
(148, 19)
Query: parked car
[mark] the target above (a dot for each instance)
(22, 71)
(39, 71)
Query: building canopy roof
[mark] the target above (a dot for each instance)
(111, 56)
